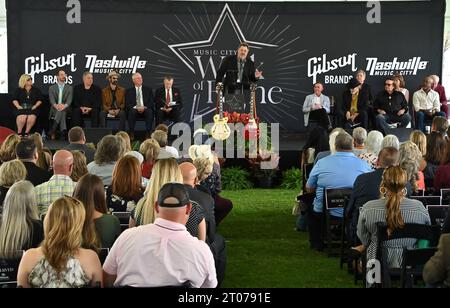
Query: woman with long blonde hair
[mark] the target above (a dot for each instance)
(394, 209)
(60, 262)
(10, 173)
(20, 227)
(8, 148)
(164, 171)
(44, 158)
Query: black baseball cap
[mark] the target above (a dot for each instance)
(173, 190)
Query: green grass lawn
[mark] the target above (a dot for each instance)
(264, 250)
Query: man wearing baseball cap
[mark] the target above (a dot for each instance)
(163, 253)
(113, 101)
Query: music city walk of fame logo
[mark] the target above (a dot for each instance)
(202, 57)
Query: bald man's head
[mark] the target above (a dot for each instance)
(63, 162)
(189, 173)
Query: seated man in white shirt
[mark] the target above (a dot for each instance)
(163, 253)
(426, 104)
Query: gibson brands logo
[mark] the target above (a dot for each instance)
(321, 65)
(39, 65)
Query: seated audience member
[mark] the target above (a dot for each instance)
(316, 142)
(164, 97)
(162, 127)
(140, 158)
(331, 143)
(359, 141)
(437, 269)
(440, 126)
(373, 147)
(441, 91)
(26, 151)
(27, 99)
(161, 137)
(394, 209)
(100, 229)
(391, 107)
(139, 102)
(164, 171)
(113, 101)
(442, 175)
(108, 152)
(79, 165)
(409, 159)
(335, 171)
(150, 149)
(203, 199)
(355, 105)
(8, 148)
(60, 96)
(426, 103)
(61, 262)
(60, 183)
(420, 139)
(20, 227)
(399, 85)
(87, 99)
(366, 188)
(127, 142)
(209, 179)
(126, 187)
(10, 173)
(390, 141)
(436, 145)
(44, 157)
(164, 253)
(77, 141)
(317, 107)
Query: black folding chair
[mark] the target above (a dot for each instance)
(8, 270)
(412, 267)
(124, 219)
(336, 198)
(445, 196)
(409, 231)
(437, 213)
(102, 254)
(428, 200)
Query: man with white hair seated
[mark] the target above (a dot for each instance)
(390, 141)
(332, 150)
(359, 140)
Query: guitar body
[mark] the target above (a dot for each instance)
(220, 129)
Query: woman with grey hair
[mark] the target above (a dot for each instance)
(409, 159)
(109, 150)
(359, 141)
(373, 147)
(20, 227)
(390, 141)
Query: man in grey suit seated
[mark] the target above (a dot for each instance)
(60, 96)
(317, 107)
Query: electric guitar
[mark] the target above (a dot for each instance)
(252, 122)
(220, 129)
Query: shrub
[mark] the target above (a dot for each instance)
(292, 179)
(235, 178)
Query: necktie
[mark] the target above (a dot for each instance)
(138, 97)
(167, 97)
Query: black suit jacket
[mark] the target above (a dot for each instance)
(229, 67)
(35, 174)
(207, 203)
(147, 97)
(160, 98)
(364, 99)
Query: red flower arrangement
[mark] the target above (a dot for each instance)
(244, 118)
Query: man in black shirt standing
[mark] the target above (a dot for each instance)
(87, 99)
(391, 107)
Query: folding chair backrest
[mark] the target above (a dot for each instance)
(445, 196)
(428, 200)
(413, 260)
(8, 271)
(417, 231)
(124, 219)
(337, 197)
(420, 192)
(437, 214)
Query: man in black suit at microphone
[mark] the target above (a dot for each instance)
(239, 71)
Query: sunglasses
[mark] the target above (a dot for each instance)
(29, 79)
(388, 84)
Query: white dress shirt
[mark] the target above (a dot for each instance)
(426, 101)
(139, 103)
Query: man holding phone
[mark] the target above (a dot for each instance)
(426, 104)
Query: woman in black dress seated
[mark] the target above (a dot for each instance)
(27, 100)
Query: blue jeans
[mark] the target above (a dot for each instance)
(383, 121)
(421, 117)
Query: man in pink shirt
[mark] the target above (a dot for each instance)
(441, 91)
(163, 253)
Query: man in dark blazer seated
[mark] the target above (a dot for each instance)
(355, 104)
(26, 152)
(168, 102)
(238, 71)
(139, 104)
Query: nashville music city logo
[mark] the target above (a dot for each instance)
(388, 68)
